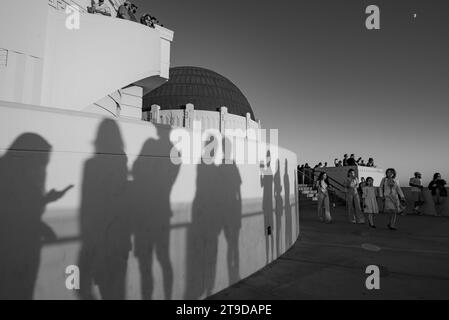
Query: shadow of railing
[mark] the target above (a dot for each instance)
(175, 226)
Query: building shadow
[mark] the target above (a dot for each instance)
(103, 218)
(153, 180)
(266, 182)
(23, 171)
(279, 207)
(230, 208)
(287, 208)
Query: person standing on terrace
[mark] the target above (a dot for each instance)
(322, 186)
(370, 163)
(351, 161)
(370, 207)
(417, 189)
(439, 193)
(352, 198)
(392, 196)
(345, 160)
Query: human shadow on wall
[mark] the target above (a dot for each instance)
(279, 207)
(231, 209)
(217, 206)
(104, 221)
(23, 201)
(287, 208)
(153, 179)
(205, 226)
(266, 182)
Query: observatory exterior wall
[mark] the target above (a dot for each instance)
(75, 141)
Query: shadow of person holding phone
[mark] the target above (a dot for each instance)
(23, 171)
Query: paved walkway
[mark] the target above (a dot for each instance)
(329, 261)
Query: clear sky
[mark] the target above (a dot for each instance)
(312, 70)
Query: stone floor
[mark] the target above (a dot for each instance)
(329, 261)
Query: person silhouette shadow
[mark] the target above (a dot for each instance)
(104, 220)
(231, 209)
(205, 227)
(266, 182)
(23, 171)
(287, 208)
(153, 180)
(279, 207)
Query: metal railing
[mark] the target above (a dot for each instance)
(309, 177)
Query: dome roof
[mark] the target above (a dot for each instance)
(205, 89)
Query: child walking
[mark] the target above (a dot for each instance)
(369, 194)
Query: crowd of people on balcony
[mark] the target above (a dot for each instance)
(126, 11)
(351, 161)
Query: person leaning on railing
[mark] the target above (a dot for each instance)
(100, 8)
(370, 163)
(132, 12)
(123, 11)
(148, 20)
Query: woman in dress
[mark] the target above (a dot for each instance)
(322, 186)
(392, 196)
(369, 193)
(352, 198)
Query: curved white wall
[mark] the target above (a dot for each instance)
(105, 54)
(198, 268)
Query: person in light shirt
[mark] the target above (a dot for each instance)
(322, 186)
(392, 196)
(417, 189)
(352, 198)
(370, 207)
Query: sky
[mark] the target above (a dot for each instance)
(312, 70)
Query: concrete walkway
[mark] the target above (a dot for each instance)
(329, 261)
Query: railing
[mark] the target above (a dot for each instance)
(62, 4)
(309, 177)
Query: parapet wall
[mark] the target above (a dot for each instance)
(133, 221)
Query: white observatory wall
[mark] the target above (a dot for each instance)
(23, 29)
(104, 55)
(72, 135)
